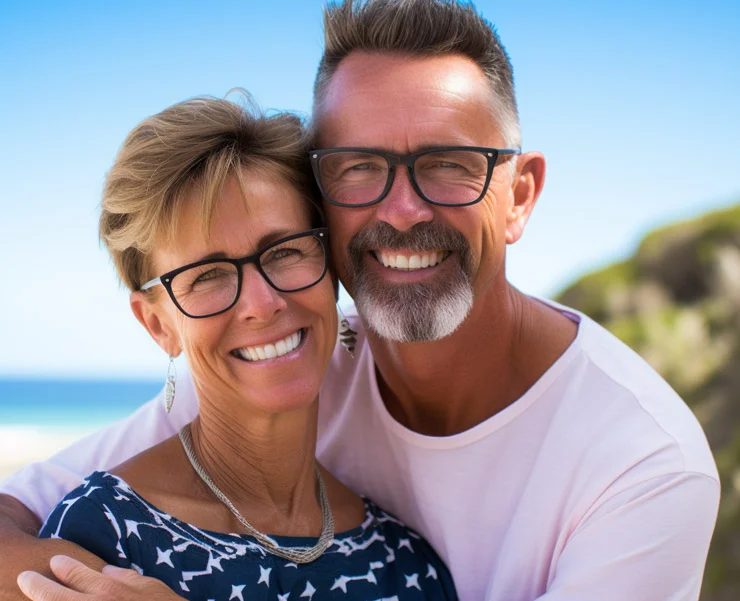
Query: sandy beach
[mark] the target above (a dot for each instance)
(22, 444)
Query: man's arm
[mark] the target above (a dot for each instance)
(20, 549)
(40, 486)
(649, 542)
(27, 496)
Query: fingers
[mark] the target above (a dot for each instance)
(76, 575)
(130, 577)
(39, 588)
(138, 587)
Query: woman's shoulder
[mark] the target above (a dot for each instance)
(100, 493)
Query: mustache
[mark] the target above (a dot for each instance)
(423, 236)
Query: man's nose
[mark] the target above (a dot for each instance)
(402, 207)
(258, 301)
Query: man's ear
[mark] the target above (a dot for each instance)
(156, 321)
(526, 187)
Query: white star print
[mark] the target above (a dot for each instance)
(283, 597)
(264, 576)
(431, 572)
(291, 565)
(404, 542)
(391, 554)
(164, 557)
(132, 528)
(412, 581)
(310, 590)
(236, 592)
(214, 562)
(342, 581)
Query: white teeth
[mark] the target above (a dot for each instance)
(412, 262)
(272, 350)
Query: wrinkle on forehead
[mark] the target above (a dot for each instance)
(390, 93)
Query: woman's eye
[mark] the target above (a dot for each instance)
(211, 274)
(284, 253)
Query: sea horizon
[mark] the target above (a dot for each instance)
(40, 416)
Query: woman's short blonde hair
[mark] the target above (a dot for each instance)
(193, 145)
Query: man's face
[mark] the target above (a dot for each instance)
(415, 269)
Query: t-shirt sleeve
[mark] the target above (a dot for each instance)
(648, 542)
(40, 485)
(89, 524)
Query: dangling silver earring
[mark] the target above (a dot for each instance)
(169, 387)
(347, 336)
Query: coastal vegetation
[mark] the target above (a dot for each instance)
(676, 301)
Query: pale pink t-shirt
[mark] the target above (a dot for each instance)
(596, 485)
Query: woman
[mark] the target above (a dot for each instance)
(208, 213)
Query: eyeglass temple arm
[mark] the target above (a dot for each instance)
(150, 284)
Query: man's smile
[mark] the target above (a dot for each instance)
(410, 260)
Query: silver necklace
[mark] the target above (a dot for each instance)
(294, 554)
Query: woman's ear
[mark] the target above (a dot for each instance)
(157, 322)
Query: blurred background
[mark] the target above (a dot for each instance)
(634, 105)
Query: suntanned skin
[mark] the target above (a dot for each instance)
(257, 426)
(401, 104)
(21, 550)
(256, 430)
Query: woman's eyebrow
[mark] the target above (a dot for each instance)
(263, 241)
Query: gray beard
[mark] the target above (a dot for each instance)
(419, 312)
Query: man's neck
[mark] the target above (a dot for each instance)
(446, 387)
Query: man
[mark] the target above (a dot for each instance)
(540, 457)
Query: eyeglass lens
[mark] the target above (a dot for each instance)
(448, 177)
(214, 286)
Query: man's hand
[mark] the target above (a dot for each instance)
(78, 583)
(20, 549)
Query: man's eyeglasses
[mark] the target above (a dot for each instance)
(210, 287)
(449, 176)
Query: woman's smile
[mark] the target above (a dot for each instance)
(286, 347)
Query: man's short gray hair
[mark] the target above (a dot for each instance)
(420, 28)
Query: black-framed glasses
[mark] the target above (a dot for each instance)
(448, 176)
(212, 286)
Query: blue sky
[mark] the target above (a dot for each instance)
(633, 103)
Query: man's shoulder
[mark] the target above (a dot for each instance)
(607, 378)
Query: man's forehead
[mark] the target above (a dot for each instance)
(363, 72)
(376, 94)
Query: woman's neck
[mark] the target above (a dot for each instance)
(264, 463)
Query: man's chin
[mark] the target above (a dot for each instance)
(413, 313)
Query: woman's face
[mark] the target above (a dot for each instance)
(221, 350)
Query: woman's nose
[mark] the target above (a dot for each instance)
(258, 300)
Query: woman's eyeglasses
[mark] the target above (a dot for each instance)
(210, 287)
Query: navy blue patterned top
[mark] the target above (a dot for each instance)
(381, 560)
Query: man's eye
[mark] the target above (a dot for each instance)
(444, 165)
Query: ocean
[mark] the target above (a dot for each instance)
(71, 402)
(39, 417)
